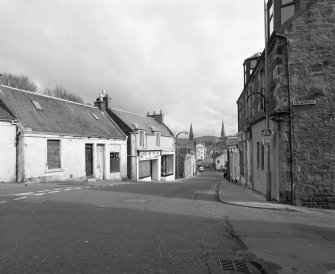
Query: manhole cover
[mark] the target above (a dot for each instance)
(238, 266)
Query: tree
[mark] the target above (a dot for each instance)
(17, 81)
(63, 93)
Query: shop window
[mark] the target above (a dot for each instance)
(53, 154)
(167, 165)
(144, 169)
(114, 162)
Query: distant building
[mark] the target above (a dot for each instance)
(47, 139)
(221, 160)
(233, 159)
(200, 151)
(298, 143)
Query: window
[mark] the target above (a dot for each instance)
(141, 136)
(258, 155)
(270, 18)
(114, 163)
(286, 10)
(53, 154)
(158, 141)
(242, 162)
(262, 157)
(167, 165)
(37, 105)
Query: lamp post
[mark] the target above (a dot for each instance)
(177, 167)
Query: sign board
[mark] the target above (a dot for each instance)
(168, 151)
(149, 155)
(266, 141)
(304, 102)
(268, 132)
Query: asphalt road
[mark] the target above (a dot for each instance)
(128, 228)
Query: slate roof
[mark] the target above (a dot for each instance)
(137, 121)
(5, 113)
(57, 116)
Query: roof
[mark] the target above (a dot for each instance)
(232, 141)
(57, 115)
(136, 121)
(5, 113)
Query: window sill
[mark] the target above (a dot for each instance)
(53, 170)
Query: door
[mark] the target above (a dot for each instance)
(89, 160)
(100, 162)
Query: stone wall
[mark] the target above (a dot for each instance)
(311, 55)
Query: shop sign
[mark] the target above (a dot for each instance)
(168, 151)
(149, 155)
(304, 102)
(266, 141)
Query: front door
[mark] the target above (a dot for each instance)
(89, 160)
(100, 162)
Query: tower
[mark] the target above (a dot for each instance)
(223, 134)
(190, 135)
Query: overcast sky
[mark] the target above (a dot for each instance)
(183, 57)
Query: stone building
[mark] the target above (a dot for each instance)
(293, 82)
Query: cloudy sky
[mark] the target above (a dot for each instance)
(183, 57)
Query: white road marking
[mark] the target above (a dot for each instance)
(43, 190)
(57, 189)
(20, 198)
(54, 191)
(77, 188)
(39, 194)
(1, 202)
(68, 189)
(23, 194)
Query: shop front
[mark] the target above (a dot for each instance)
(168, 165)
(149, 165)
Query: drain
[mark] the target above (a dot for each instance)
(238, 266)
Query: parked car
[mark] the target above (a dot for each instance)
(201, 168)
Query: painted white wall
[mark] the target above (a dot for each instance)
(222, 160)
(7, 152)
(72, 157)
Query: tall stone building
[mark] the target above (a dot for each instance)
(290, 157)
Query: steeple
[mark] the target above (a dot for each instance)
(190, 135)
(223, 134)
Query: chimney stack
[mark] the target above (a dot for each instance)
(158, 117)
(102, 101)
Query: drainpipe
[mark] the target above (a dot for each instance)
(268, 168)
(290, 118)
(17, 142)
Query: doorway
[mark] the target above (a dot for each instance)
(100, 162)
(89, 160)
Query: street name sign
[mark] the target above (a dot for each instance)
(304, 102)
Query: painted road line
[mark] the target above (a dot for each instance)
(39, 194)
(20, 198)
(56, 191)
(43, 190)
(77, 188)
(23, 194)
(1, 202)
(68, 189)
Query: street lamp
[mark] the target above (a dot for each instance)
(177, 167)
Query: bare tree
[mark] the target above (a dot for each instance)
(17, 81)
(62, 93)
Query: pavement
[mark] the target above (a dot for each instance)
(236, 194)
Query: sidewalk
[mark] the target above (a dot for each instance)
(235, 194)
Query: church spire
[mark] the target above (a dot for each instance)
(223, 134)
(190, 135)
